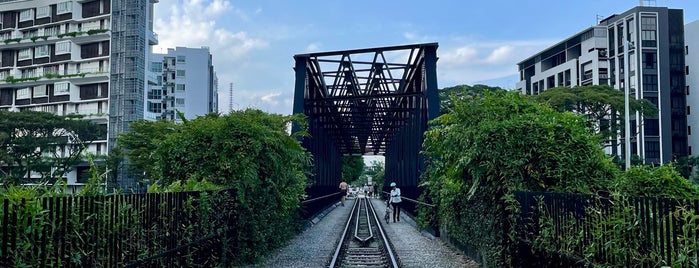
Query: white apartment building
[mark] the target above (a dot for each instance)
(691, 42)
(640, 50)
(185, 81)
(83, 57)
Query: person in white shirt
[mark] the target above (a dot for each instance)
(395, 201)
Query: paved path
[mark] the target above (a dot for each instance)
(315, 246)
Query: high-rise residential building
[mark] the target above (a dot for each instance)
(83, 57)
(691, 42)
(654, 59)
(184, 81)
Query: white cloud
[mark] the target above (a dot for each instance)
(270, 98)
(313, 47)
(471, 60)
(192, 23)
(409, 35)
(500, 54)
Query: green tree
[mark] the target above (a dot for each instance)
(376, 171)
(248, 152)
(489, 146)
(602, 105)
(662, 181)
(352, 168)
(686, 165)
(448, 94)
(42, 143)
(142, 142)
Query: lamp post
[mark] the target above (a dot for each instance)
(627, 120)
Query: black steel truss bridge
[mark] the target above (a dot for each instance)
(372, 101)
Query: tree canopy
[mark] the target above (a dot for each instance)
(352, 168)
(448, 94)
(486, 147)
(42, 144)
(602, 105)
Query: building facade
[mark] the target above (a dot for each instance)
(644, 46)
(84, 57)
(691, 42)
(185, 81)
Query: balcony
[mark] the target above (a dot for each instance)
(84, 76)
(152, 38)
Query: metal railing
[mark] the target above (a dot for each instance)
(411, 200)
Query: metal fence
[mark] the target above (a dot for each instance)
(140, 230)
(626, 231)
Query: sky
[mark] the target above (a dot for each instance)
(253, 42)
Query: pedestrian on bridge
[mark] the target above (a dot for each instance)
(343, 190)
(395, 201)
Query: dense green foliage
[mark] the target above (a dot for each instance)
(352, 169)
(489, 146)
(662, 181)
(247, 151)
(377, 173)
(447, 95)
(597, 103)
(43, 144)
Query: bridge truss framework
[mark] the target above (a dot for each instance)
(373, 101)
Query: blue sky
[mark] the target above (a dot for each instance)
(253, 42)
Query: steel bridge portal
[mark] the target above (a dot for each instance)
(373, 101)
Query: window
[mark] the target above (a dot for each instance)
(61, 88)
(155, 94)
(65, 7)
(156, 67)
(179, 87)
(650, 83)
(688, 110)
(41, 51)
(652, 149)
(43, 12)
(648, 35)
(27, 14)
(652, 99)
(686, 70)
(51, 31)
(687, 89)
(651, 127)
(24, 93)
(650, 60)
(40, 91)
(62, 47)
(181, 59)
(155, 107)
(648, 23)
(179, 102)
(180, 73)
(648, 31)
(24, 54)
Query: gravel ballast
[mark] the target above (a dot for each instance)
(315, 246)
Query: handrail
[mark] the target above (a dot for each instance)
(412, 200)
(317, 198)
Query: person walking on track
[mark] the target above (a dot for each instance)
(395, 201)
(343, 189)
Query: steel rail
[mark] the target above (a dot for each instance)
(389, 250)
(342, 238)
(368, 222)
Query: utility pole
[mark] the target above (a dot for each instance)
(627, 120)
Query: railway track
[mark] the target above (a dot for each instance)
(363, 242)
